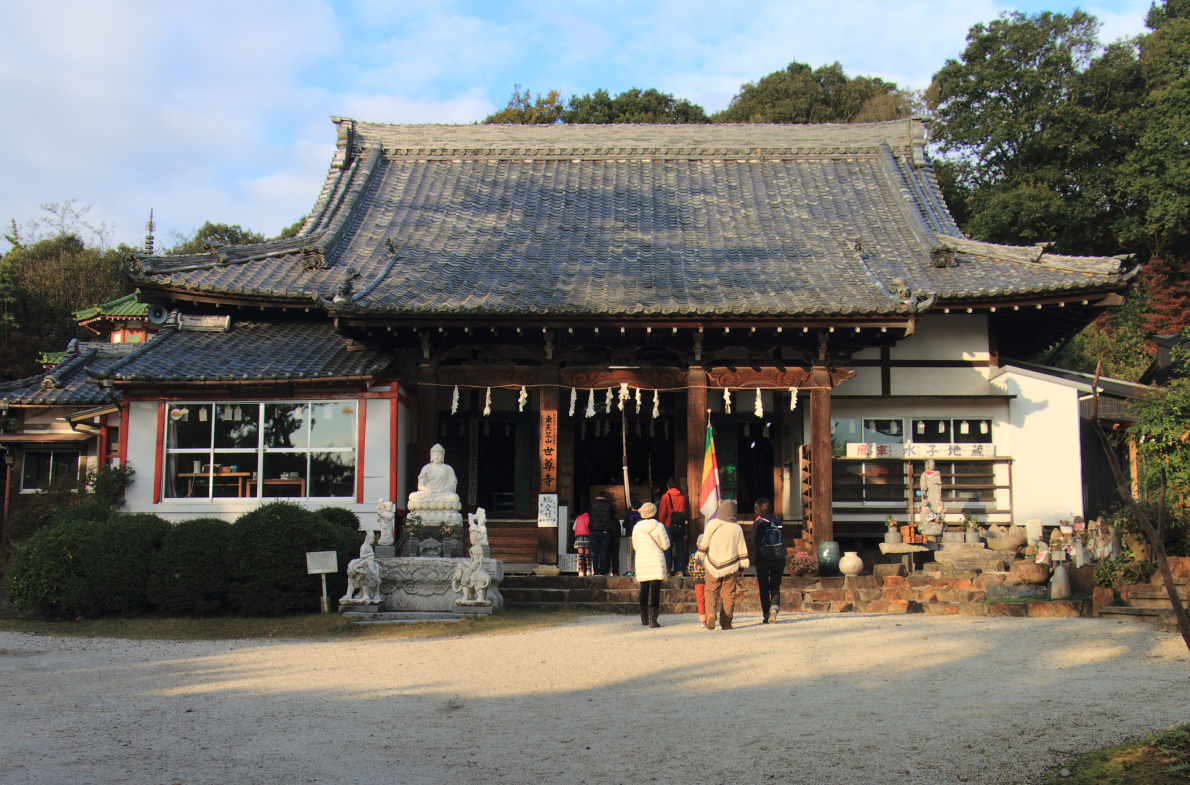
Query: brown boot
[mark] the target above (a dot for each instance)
(711, 618)
(644, 616)
(653, 618)
(725, 621)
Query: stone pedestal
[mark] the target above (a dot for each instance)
(423, 584)
(385, 551)
(358, 607)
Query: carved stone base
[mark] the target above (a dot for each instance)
(358, 606)
(468, 609)
(423, 583)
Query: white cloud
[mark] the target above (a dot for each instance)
(220, 110)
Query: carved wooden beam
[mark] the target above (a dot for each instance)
(774, 378)
(598, 378)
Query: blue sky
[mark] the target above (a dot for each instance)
(220, 110)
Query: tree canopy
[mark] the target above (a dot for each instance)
(1046, 135)
(800, 94)
(523, 109)
(632, 106)
(217, 234)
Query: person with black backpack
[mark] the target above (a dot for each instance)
(768, 543)
(672, 514)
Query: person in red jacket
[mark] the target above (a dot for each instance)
(673, 513)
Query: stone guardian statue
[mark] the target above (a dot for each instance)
(363, 576)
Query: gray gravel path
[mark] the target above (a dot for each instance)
(821, 699)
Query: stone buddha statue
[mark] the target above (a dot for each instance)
(435, 499)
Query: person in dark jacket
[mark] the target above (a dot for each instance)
(769, 572)
(602, 521)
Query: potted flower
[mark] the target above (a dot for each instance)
(415, 532)
(448, 533)
(893, 535)
(972, 528)
(802, 564)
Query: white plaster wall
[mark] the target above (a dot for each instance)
(938, 381)
(1043, 432)
(376, 456)
(945, 337)
(865, 382)
(142, 441)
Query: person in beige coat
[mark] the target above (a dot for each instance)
(650, 541)
(723, 553)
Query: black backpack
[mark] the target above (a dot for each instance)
(677, 524)
(772, 541)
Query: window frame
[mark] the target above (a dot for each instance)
(255, 457)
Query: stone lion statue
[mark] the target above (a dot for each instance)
(363, 575)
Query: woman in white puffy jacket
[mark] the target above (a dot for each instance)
(650, 541)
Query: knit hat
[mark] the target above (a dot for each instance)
(726, 511)
(648, 510)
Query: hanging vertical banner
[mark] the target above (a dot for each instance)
(548, 446)
(709, 500)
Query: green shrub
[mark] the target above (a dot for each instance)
(86, 510)
(47, 574)
(268, 558)
(116, 562)
(190, 572)
(36, 510)
(339, 516)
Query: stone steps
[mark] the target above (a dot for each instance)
(399, 617)
(1124, 610)
(945, 592)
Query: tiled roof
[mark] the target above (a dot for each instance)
(249, 352)
(66, 384)
(126, 307)
(685, 221)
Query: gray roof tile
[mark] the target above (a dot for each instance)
(687, 221)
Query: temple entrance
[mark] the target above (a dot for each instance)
(598, 454)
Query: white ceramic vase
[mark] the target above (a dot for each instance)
(851, 563)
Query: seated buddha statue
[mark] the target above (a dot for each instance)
(436, 485)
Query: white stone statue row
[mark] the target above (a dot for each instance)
(436, 502)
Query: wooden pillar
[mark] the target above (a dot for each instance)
(696, 434)
(547, 438)
(821, 489)
(427, 413)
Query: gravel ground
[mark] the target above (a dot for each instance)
(815, 698)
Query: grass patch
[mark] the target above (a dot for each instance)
(1161, 759)
(310, 626)
(1027, 600)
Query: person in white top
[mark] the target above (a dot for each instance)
(650, 540)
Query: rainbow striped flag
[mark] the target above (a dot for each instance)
(710, 498)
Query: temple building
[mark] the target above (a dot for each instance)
(559, 306)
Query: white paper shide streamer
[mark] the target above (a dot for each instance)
(792, 398)
(522, 399)
(726, 400)
(638, 400)
(607, 401)
(656, 407)
(759, 409)
(573, 400)
(590, 405)
(454, 401)
(487, 403)
(623, 397)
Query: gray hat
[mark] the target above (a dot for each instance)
(726, 511)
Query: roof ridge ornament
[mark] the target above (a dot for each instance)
(313, 258)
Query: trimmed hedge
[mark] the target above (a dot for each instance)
(116, 563)
(190, 572)
(268, 558)
(340, 516)
(89, 561)
(47, 574)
